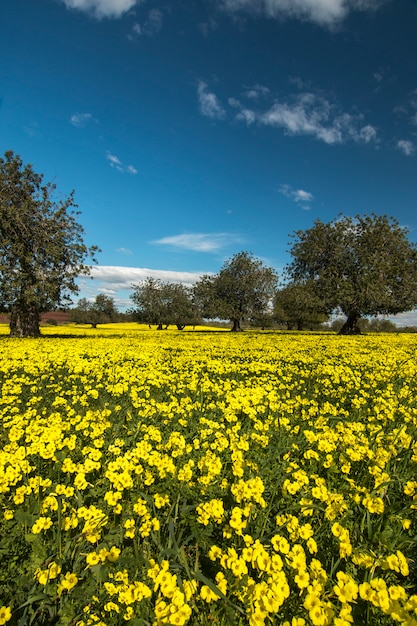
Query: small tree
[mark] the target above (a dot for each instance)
(298, 306)
(42, 251)
(181, 309)
(362, 266)
(148, 302)
(164, 303)
(242, 290)
(101, 311)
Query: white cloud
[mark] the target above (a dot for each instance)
(209, 103)
(80, 120)
(116, 278)
(102, 8)
(367, 133)
(408, 108)
(405, 319)
(300, 196)
(406, 146)
(324, 12)
(257, 92)
(303, 196)
(199, 242)
(153, 24)
(306, 113)
(116, 163)
(116, 281)
(124, 250)
(311, 114)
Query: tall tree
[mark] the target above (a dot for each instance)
(164, 303)
(362, 266)
(242, 290)
(42, 251)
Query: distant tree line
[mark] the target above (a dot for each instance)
(361, 267)
(101, 310)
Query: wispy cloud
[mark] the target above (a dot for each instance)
(124, 251)
(301, 197)
(32, 130)
(208, 27)
(200, 242)
(328, 13)
(150, 27)
(102, 8)
(408, 108)
(210, 105)
(80, 120)
(407, 147)
(116, 163)
(312, 114)
(306, 113)
(257, 92)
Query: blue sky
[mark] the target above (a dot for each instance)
(192, 130)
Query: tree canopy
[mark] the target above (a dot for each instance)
(101, 311)
(298, 306)
(42, 250)
(362, 266)
(163, 303)
(242, 290)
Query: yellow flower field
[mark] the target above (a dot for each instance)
(208, 478)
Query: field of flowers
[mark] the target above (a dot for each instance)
(208, 478)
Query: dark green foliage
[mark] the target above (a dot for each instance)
(362, 266)
(42, 251)
(241, 291)
(299, 307)
(101, 311)
(163, 304)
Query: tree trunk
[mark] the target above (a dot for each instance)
(236, 326)
(351, 326)
(24, 322)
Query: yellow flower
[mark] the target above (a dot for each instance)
(113, 554)
(68, 582)
(374, 504)
(160, 501)
(5, 614)
(112, 607)
(42, 523)
(128, 614)
(302, 579)
(130, 528)
(208, 595)
(44, 576)
(93, 559)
